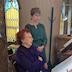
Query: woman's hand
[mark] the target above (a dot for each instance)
(40, 58)
(40, 48)
(45, 66)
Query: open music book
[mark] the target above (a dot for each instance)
(65, 66)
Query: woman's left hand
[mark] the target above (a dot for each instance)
(45, 66)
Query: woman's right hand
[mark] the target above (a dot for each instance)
(40, 48)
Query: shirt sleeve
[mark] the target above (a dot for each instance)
(44, 35)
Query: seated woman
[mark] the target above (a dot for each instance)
(27, 57)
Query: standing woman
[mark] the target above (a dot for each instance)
(38, 32)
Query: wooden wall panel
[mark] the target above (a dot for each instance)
(3, 56)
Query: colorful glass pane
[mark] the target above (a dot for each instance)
(12, 19)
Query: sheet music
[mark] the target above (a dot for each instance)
(64, 66)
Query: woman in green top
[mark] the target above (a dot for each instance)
(38, 32)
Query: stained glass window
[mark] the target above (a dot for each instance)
(11, 19)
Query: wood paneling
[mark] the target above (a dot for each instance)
(3, 51)
(3, 56)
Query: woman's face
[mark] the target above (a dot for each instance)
(36, 18)
(11, 0)
(27, 40)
